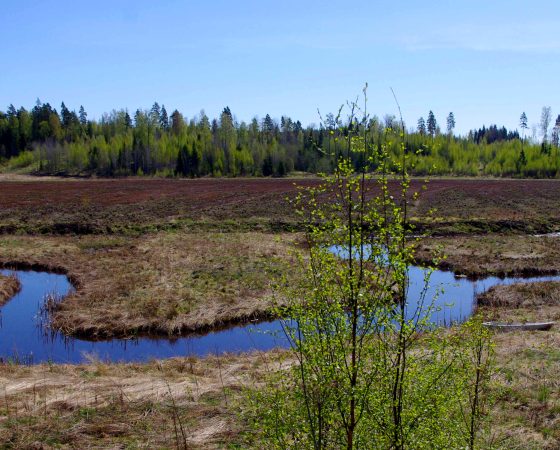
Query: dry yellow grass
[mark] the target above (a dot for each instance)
(139, 405)
(164, 283)
(526, 414)
(496, 254)
(182, 278)
(135, 405)
(177, 403)
(28, 178)
(9, 286)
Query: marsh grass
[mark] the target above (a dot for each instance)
(158, 264)
(526, 414)
(177, 403)
(164, 283)
(9, 286)
(105, 405)
(495, 254)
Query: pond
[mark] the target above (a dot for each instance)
(24, 338)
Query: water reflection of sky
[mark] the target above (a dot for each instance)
(22, 337)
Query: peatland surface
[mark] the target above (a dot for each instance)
(137, 205)
(496, 254)
(167, 256)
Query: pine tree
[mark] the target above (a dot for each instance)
(268, 128)
(523, 121)
(523, 125)
(12, 132)
(227, 112)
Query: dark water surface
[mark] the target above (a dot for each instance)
(23, 337)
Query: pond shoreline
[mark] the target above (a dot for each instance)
(9, 286)
(156, 331)
(246, 334)
(476, 275)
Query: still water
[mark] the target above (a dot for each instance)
(23, 336)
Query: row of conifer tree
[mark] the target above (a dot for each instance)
(44, 140)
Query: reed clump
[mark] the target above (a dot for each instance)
(9, 286)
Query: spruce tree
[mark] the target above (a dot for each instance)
(65, 115)
(450, 123)
(193, 162)
(181, 166)
(154, 114)
(83, 116)
(421, 126)
(431, 124)
(127, 120)
(163, 118)
(267, 166)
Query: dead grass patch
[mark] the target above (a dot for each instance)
(9, 286)
(495, 254)
(534, 297)
(526, 414)
(177, 403)
(139, 405)
(164, 283)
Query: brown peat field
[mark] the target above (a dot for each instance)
(163, 257)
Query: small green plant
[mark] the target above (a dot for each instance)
(370, 370)
(476, 363)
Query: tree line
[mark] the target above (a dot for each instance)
(153, 142)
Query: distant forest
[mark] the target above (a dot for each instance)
(151, 142)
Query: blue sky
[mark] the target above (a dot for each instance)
(487, 61)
